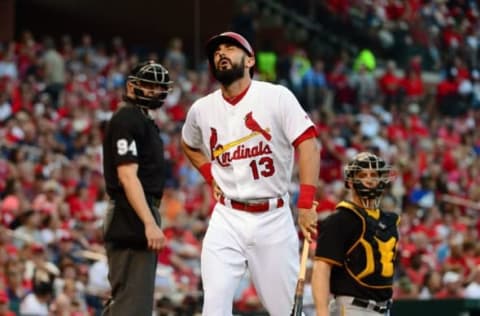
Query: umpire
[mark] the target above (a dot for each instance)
(356, 245)
(134, 171)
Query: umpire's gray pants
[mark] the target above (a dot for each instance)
(342, 306)
(132, 277)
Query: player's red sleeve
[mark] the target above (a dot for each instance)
(310, 132)
(306, 196)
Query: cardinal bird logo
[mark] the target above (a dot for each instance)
(253, 125)
(213, 140)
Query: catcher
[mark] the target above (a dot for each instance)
(356, 246)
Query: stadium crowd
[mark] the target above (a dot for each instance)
(56, 96)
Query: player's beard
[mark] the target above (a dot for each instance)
(227, 76)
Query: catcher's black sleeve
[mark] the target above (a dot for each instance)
(337, 233)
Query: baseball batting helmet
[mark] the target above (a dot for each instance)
(366, 160)
(150, 72)
(228, 37)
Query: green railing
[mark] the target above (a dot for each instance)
(444, 307)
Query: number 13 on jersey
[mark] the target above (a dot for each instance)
(262, 167)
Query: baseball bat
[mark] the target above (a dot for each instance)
(298, 300)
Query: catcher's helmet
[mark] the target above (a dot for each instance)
(228, 37)
(150, 73)
(366, 160)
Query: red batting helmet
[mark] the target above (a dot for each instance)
(228, 37)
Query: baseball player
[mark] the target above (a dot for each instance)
(134, 174)
(242, 138)
(356, 246)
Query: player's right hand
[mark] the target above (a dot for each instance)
(307, 220)
(155, 237)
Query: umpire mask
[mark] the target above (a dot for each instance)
(151, 84)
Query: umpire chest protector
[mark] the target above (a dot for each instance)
(370, 260)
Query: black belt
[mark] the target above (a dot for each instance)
(382, 309)
(151, 200)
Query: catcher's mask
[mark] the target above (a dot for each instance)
(150, 76)
(368, 161)
(228, 37)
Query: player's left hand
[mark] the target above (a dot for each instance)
(307, 220)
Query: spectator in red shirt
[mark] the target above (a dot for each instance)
(395, 10)
(412, 85)
(451, 37)
(332, 156)
(450, 137)
(447, 94)
(398, 129)
(338, 80)
(418, 128)
(456, 261)
(417, 270)
(80, 202)
(389, 84)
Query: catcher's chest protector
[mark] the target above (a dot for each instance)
(370, 261)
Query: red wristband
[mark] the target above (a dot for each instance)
(206, 172)
(306, 196)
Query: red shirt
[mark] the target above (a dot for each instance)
(331, 168)
(450, 137)
(446, 87)
(449, 162)
(416, 276)
(444, 293)
(326, 204)
(396, 131)
(413, 86)
(451, 36)
(177, 112)
(389, 83)
(418, 127)
(395, 10)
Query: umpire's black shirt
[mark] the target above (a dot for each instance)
(132, 137)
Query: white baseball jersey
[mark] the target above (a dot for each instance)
(249, 143)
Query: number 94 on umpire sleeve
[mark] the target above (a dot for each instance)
(123, 147)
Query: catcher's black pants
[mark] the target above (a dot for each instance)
(132, 277)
